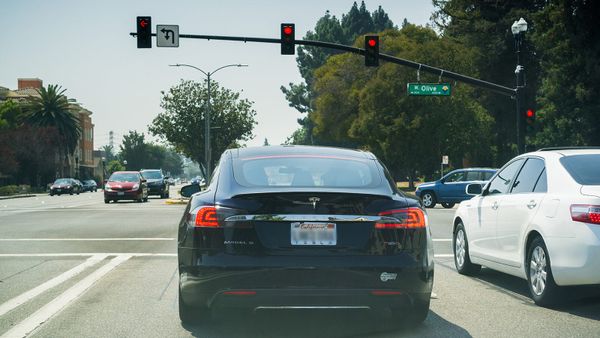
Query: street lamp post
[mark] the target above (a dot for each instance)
(518, 29)
(207, 152)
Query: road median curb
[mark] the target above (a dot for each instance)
(176, 201)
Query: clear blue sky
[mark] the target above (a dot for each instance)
(85, 47)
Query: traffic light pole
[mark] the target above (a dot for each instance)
(403, 62)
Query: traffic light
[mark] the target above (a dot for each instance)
(371, 50)
(144, 32)
(288, 33)
(530, 121)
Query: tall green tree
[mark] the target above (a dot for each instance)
(109, 152)
(567, 37)
(329, 29)
(370, 107)
(134, 150)
(181, 124)
(52, 108)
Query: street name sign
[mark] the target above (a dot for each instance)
(428, 89)
(167, 35)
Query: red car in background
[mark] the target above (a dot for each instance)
(125, 185)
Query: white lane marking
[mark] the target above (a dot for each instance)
(57, 304)
(27, 296)
(86, 254)
(87, 239)
(443, 256)
(435, 239)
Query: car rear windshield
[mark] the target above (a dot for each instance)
(124, 178)
(306, 171)
(585, 169)
(152, 174)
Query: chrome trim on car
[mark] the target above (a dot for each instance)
(311, 307)
(308, 218)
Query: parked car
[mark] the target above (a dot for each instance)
(450, 189)
(158, 183)
(303, 227)
(126, 185)
(65, 186)
(89, 185)
(538, 219)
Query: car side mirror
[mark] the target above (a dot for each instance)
(189, 190)
(143, 180)
(474, 189)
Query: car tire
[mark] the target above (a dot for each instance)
(448, 205)
(193, 314)
(542, 288)
(428, 199)
(106, 201)
(460, 247)
(145, 199)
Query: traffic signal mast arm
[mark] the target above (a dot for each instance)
(422, 67)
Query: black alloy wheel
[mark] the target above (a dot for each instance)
(448, 205)
(428, 199)
(542, 288)
(460, 246)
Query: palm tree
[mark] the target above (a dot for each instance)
(53, 109)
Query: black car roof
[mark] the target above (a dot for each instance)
(299, 150)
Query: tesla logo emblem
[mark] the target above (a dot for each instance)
(314, 201)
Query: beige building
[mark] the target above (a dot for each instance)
(81, 163)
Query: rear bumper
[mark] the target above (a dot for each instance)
(575, 261)
(283, 282)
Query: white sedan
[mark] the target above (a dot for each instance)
(538, 218)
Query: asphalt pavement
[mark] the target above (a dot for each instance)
(72, 266)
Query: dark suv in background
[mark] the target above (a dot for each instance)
(158, 183)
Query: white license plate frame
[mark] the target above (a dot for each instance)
(313, 234)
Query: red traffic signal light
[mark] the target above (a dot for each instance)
(288, 39)
(530, 113)
(371, 50)
(530, 121)
(144, 32)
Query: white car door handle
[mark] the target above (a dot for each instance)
(495, 206)
(531, 204)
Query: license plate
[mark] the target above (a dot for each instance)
(313, 233)
(120, 193)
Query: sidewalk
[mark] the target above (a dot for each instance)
(16, 196)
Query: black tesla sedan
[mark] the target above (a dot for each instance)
(298, 227)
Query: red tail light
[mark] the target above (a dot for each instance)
(207, 217)
(585, 213)
(409, 218)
